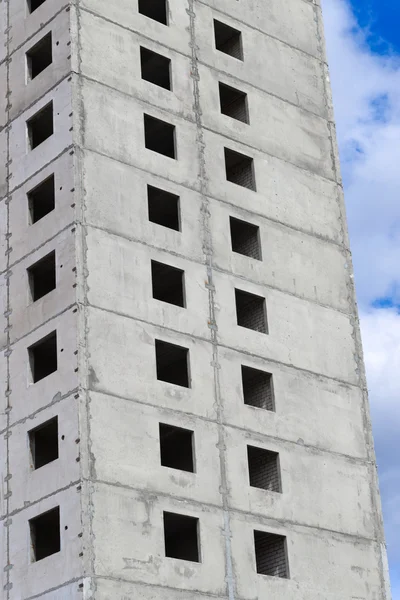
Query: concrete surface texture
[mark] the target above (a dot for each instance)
(185, 412)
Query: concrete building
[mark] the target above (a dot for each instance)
(184, 413)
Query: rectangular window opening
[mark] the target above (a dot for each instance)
(181, 536)
(164, 208)
(228, 40)
(42, 276)
(159, 136)
(257, 388)
(154, 9)
(245, 238)
(250, 311)
(233, 103)
(40, 56)
(41, 200)
(45, 534)
(43, 443)
(34, 4)
(155, 68)
(168, 283)
(172, 363)
(40, 126)
(239, 169)
(43, 357)
(176, 448)
(263, 469)
(271, 554)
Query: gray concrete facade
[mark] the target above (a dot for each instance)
(105, 393)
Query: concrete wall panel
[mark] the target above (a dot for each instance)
(66, 592)
(28, 484)
(26, 91)
(133, 524)
(310, 410)
(28, 397)
(302, 334)
(27, 314)
(316, 571)
(268, 64)
(279, 246)
(116, 200)
(26, 236)
(123, 590)
(114, 127)
(126, 14)
(295, 25)
(125, 442)
(25, 25)
(285, 193)
(120, 280)
(27, 162)
(99, 35)
(275, 126)
(34, 578)
(308, 478)
(122, 363)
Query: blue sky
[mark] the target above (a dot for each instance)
(363, 43)
(380, 19)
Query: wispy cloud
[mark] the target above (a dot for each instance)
(367, 107)
(366, 88)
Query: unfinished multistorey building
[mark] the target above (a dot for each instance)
(184, 411)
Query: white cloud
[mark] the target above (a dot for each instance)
(366, 90)
(367, 107)
(381, 339)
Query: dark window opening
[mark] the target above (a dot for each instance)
(42, 276)
(168, 283)
(263, 469)
(245, 238)
(172, 363)
(163, 208)
(41, 200)
(34, 4)
(43, 442)
(176, 448)
(250, 311)
(271, 555)
(233, 103)
(181, 537)
(257, 388)
(40, 56)
(159, 136)
(45, 534)
(228, 40)
(154, 9)
(239, 169)
(155, 68)
(43, 357)
(40, 126)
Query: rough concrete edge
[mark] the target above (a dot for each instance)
(208, 257)
(8, 567)
(87, 465)
(355, 322)
(7, 274)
